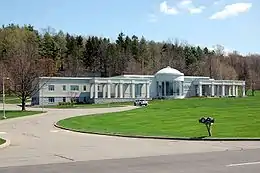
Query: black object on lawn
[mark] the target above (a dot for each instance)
(208, 121)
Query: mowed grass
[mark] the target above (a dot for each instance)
(235, 117)
(12, 100)
(16, 113)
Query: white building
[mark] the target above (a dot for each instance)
(166, 83)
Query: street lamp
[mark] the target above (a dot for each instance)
(4, 78)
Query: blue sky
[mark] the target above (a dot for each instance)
(231, 23)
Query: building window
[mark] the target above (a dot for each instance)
(84, 88)
(64, 99)
(51, 87)
(64, 87)
(74, 88)
(98, 88)
(51, 99)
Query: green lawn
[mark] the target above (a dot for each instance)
(11, 100)
(14, 114)
(235, 117)
(2, 141)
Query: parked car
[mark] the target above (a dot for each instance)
(140, 102)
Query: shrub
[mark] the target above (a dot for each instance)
(66, 104)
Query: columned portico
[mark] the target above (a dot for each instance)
(169, 83)
(168, 87)
(221, 88)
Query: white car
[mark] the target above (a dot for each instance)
(140, 102)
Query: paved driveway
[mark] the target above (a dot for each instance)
(34, 140)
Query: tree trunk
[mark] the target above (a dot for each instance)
(23, 104)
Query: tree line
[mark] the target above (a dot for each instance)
(26, 53)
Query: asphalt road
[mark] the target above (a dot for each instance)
(35, 141)
(213, 162)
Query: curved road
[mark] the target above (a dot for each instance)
(35, 141)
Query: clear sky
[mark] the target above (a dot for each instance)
(231, 23)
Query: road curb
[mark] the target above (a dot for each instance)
(158, 137)
(6, 144)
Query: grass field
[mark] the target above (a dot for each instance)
(14, 114)
(11, 100)
(235, 117)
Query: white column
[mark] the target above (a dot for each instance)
(164, 88)
(243, 90)
(233, 90)
(116, 90)
(91, 91)
(147, 90)
(96, 90)
(133, 89)
(109, 90)
(121, 93)
(200, 90)
(180, 88)
(212, 90)
(229, 90)
(236, 90)
(223, 90)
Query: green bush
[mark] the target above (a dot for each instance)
(65, 104)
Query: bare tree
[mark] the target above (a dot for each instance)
(24, 66)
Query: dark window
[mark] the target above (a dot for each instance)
(64, 87)
(51, 99)
(74, 88)
(64, 99)
(51, 87)
(84, 87)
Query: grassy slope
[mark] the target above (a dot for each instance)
(235, 117)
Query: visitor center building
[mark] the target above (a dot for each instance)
(167, 83)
